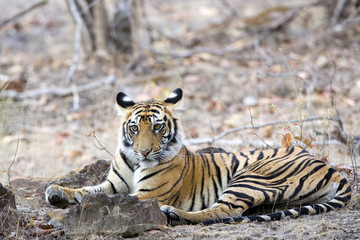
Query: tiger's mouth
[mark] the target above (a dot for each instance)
(148, 162)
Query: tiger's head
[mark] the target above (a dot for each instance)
(150, 132)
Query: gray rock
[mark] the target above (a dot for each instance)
(117, 216)
(30, 191)
(10, 218)
(7, 198)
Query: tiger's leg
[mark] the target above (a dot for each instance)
(232, 203)
(59, 196)
(177, 216)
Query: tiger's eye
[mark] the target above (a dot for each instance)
(157, 126)
(134, 128)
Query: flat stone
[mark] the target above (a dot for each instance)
(120, 215)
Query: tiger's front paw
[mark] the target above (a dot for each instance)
(174, 216)
(55, 196)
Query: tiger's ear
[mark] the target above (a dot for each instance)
(174, 98)
(124, 101)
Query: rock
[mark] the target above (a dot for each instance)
(7, 198)
(250, 101)
(89, 175)
(56, 216)
(120, 215)
(322, 61)
(10, 218)
(98, 214)
(211, 150)
(30, 191)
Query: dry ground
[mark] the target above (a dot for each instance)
(298, 69)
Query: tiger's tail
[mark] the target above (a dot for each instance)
(340, 200)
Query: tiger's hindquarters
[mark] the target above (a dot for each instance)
(340, 200)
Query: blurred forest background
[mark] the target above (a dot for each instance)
(255, 74)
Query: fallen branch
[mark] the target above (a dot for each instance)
(22, 12)
(263, 32)
(338, 9)
(240, 142)
(232, 130)
(58, 92)
(77, 42)
(233, 142)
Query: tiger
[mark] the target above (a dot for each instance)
(151, 161)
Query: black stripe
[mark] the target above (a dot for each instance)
(127, 162)
(262, 190)
(155, 173)
(248, 200)
(112, 186)
(215, 189)
(301, 184)
(206, 161)
(318, 208)
(275, 153)
(231, 205)
(291, 150)
(152, 189)
(202, 189)
(335, 205)
(234, 164)
(154, 111)
(184, 171)
(322, 183)
(246, 159)
(303, 211)
(328, 206)
(173, 139)
(260, 156)
(136, 113)
(121, 178)
(253, 218)
(193, 198)
(343, 199)
(217, 168)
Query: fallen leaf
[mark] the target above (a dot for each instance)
(78, 115)
(46, 226)
(267, 131)
(193, 79)
(344, 168)
(286, 140)
(213, 105)
(60, 138)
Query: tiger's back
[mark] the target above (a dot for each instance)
(152, 162)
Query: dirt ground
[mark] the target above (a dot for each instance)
(295, 72)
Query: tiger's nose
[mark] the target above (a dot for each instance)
(145, 152)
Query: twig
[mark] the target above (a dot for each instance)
(22, 12)
(8, 170)
(256, 134)
(77, 43)
(76, 98)
(332, 95)
(88, 7)
(338, 9)
(232, 130)
(58, 92)
(92, 134)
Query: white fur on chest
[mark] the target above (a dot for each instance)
(136, 178)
